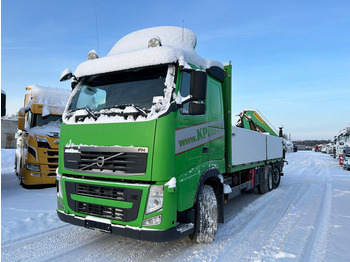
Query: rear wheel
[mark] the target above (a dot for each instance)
(276, 177)
(270, 179)
(266, 183)
(206, 216)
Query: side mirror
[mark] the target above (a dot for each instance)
(20, 124)
(196, 108)
(341, 143)
(66, 75)
(3, 103)
(198, 88)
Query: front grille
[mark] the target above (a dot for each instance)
(104, 192)
(101, 211)
(52, 160)
(101, 191)
(53, 166)
(107, 160)
(44, 145)
(346, 151)
(52, 153)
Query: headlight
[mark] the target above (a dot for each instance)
(42, 142)
(41, 139)
(155, 199)
(33, 167)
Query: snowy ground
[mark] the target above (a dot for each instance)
(306, 219)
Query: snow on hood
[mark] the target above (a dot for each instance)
(132, 52)
(53, 128)
(53, 99)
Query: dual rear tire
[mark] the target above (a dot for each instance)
(271, 179)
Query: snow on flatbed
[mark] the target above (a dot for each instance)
(306, 219)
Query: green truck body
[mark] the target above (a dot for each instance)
(147, 146)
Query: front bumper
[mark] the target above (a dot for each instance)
(132, 232)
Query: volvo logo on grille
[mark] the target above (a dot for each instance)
(100, 161)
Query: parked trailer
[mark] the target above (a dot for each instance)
(147, 146)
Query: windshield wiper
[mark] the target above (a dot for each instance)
(90, 113)
(123, 106)
(140, 110)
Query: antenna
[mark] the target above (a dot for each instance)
(98, 49)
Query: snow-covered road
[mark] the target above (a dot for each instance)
(306, 219)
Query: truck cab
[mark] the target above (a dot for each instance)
(39, 124)
(146, 140)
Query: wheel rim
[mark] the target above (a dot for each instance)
(276, 176)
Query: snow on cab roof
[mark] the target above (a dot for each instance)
(132, 51)
(53, 99)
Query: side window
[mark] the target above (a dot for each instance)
(192, 107)
(185, 91)
(215, 97)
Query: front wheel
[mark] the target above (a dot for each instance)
(206, 216)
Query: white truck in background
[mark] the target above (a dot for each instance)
(346, 149)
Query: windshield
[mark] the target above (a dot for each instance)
(139, 88)
(40, 120)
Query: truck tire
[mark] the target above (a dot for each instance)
(266, 183)
(276, 177)
(206, 216)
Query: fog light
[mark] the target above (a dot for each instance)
(153, 221)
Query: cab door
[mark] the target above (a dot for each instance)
(191, 134)
(216, 130)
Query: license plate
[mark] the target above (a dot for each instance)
(98, 226)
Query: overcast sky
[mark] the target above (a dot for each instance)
(291, 59)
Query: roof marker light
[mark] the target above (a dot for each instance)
(92, 55)
(154, 42)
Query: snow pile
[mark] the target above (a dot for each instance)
(169, 36)
(53, 99)
(132, 52)
(24, 212)
(171, 183)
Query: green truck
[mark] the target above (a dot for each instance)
(147, 147)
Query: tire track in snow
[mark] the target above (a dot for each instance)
(235, 236)
(57, 242)
(32, 236)
(268, 230)
(316, 247)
